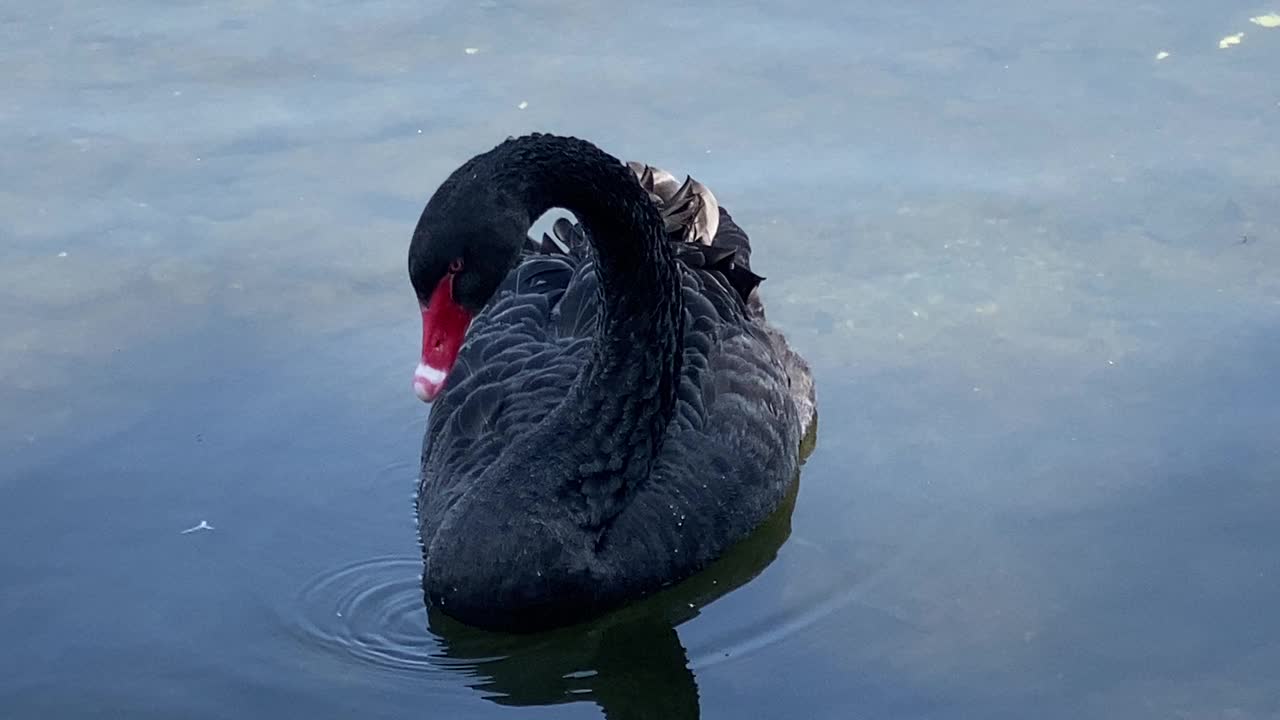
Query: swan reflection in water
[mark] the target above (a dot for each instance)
(630, 662)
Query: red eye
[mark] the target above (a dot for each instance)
(455, 265)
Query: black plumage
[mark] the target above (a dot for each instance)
(618, 414)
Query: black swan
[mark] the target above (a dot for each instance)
(611, 411)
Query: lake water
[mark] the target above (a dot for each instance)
(1034, 265)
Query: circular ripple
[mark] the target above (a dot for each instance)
(373, 612)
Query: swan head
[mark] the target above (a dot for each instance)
(461, 250)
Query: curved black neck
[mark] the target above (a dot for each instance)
(611, 426)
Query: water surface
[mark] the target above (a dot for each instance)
(1034, 266)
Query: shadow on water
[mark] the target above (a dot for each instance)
(631, 662)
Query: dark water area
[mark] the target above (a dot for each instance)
(1032, 260)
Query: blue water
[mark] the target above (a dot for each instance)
(1034, 267)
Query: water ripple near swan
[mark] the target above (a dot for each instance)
(372, 611)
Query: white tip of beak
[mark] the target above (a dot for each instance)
(427, 382)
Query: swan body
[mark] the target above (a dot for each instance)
(611, 410)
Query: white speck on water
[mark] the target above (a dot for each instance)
(523, 104)
(1111, 362)
(1230, 40)
(471, 51)
(1162, 55)
(419, 131)
(339, 614)
(1270, 20)
(62, 254)
(204, 525)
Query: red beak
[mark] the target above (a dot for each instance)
(444, 326)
